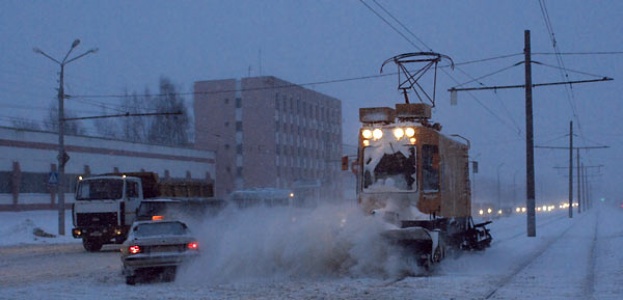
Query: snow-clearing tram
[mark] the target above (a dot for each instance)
(417, 179)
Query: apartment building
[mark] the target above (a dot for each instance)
(269, 133)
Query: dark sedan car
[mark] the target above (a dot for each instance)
(157, 247)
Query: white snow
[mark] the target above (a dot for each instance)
(333, 252)
(18, 228)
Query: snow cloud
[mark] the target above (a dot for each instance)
(272, 243)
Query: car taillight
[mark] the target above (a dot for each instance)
(192, 246)
(134, 249)
(157, 218)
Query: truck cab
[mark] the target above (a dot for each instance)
(104, 209)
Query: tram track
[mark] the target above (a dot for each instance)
(528, 261)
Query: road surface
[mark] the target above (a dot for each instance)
(577, 258)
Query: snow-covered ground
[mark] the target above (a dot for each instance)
(333, 252)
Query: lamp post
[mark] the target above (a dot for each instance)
(62, 156)
(515, 188)
(499, 199)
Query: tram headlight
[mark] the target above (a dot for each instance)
(366, 134)
(377, 134)
(410, 132)
(399, 133)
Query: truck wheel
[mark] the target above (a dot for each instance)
(92, 245)
(437, 254)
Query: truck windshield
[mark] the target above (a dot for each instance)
(389, 167)
(99, 189)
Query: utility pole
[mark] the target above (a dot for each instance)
(582, 180)
(579, 180)
(570, 148)
(62, 155)
(530, 191)
(498, 188)
(571, 169)
(530, 181)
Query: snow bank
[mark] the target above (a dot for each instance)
(33, 227)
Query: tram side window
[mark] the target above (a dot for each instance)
(430, 168)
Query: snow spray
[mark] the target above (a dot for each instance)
(276, 243)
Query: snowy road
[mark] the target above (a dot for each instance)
(577, 258)
(30, 266)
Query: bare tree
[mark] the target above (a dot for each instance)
(162, 129)
(22, 123)
(134, 129)
(71, 127)
(107, 127)
(169, 129)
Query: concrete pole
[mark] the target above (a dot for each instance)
(60, 192)
(530, 191)
(571, 169)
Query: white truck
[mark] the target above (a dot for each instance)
(106, 205)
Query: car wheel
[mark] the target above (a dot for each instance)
(92, 245)
(130, 280)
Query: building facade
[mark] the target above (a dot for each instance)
(269, 133)
(28, 164)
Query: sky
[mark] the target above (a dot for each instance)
(337, 48)
(331, 252)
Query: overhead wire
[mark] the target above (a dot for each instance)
(288, 85)
(389, 24)
(563, 71)
(495, 115)
(403, 26)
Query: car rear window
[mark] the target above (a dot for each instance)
(160, 228)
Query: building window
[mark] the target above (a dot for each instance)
(238, 102)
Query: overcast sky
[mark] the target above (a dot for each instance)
(307, 42)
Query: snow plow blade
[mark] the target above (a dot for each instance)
(477, 237)
(417, 242)
(411, 233)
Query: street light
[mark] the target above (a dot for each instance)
(499, 197)
(62, 156)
